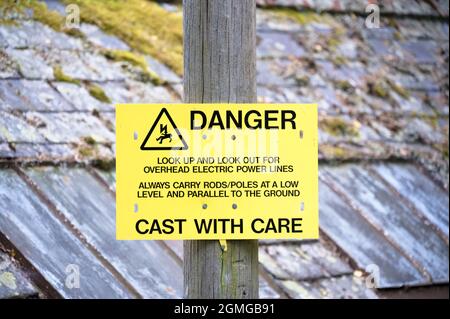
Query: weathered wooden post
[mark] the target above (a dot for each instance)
(220, 66)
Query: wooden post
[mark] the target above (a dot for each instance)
(220, 66)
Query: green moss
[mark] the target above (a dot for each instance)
(339, 31)
(60, 76)
(301, 17)
(302, 80)
(339, 61)
(444, 149)
(74, 32)
(338, 127)
(104, 164)
(40, 13)
(145, 26)
(89, 150)
(98, 93)
(10, 9)
(399, 90)
(344, 85)
(333, 42)
(332, 151)
(52, 19)
(89, 140)
(135, 59)
(398, 36)
(381, 89)
(49, 17)
(378, 90)
(434, 122)
(86, 151)
(392, 22)
(308, 17)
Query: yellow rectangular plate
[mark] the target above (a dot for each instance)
(217, 171)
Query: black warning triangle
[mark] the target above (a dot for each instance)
(164, 139)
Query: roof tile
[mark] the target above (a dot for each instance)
(49, 246)
(91, 209)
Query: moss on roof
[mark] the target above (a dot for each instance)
(135, 59)
(98, 93)
(400, 90)
(9, 9)
(378, 89)
(338, 61)
(40, 13)
(145, 26)
(301, 17)
(333, 152)
(49, 17)
(60, 76)
(337, 127)
(89, 140)
(344, 85)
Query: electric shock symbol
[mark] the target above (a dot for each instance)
(169, 136)
(164, 134)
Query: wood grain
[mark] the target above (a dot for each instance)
(220, 66)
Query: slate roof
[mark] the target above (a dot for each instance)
(383, 104)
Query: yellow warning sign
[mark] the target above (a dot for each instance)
(216, 171)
